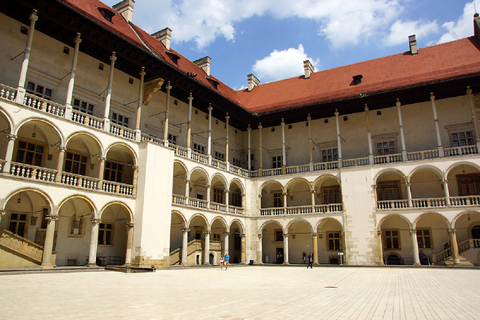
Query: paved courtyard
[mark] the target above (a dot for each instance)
(247, 292)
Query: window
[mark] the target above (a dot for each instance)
(220, 156)
(76, 163)
(329, 155)
(39, 91)
(334, 241)
(29, 153)
(105, 234)
(423, 239)
(83, 106)
(277, 199)
(389, 190)
(217, 195)
(386, 147)
(460, 139)
(199, 148)
(468, 184)
(331, 195)
(277, 235)
(236, 199)
(18, 224)
(172, 139)
(392, 239)
(77, 226)
(113, 171)
(107, 14)
(216, 237)
(119, 119)
(237, 162)
(276, 162)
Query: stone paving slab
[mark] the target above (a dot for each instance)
(250, 292)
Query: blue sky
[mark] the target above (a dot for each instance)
(272, 38)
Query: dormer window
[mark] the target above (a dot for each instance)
(173, 56)
(357, 79)
(214, 82)
(106, 13)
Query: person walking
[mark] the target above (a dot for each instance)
(227, 257)
(310, 261)
(221, 262)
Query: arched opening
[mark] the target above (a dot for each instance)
(272, 243)
(330, 242)
(299, 241)
(427, 188)
(396, 239)
(217, 239)
(393, 259)
(272, 198)
(235, 242)
(119, 170)
(176, 237)
(391, 190)
(196, 238)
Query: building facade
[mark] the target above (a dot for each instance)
(117, 150)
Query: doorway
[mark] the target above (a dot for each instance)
(279, 256)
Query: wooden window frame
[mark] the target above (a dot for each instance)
(389, 239)
(336, 245)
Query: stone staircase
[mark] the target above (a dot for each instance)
(18, 252)
(468, 248)
(192, 247)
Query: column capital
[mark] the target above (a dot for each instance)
(366, 107)
(142, 71)
(113, 57)
(190, 97)
(227, 116)
(227, 191)
(283, 122)
(102, 158)
(312, 191)
(413, 231)
(452, 230)
(205, 231)
(226, 233)
(336, 112)
(51, 217)
(62, 149)
(469, 90)
(309, 117)
(33, 15)
(432, 97)
(398, 103)
(314, 234)
(168, 86)
(210, 108)
(185, 229)
(12, 136)
(260, 235)
(130, 224)
(243, 235)
(78, 38)
(249, 128)
(260, 125)
(285, 235)
(95, 221)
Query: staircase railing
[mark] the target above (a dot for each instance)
(192, 247)
(20, 246)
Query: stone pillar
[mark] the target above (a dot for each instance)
(135, 180)
(92, 255)
(208, 195)
(108, 97)
(474, 116)
(249, 148)
(128, 252)
(454, 246)
(315, 248)
(284, 152)
(260, 249)
(447, 192)
(402, 135)
(138, 134)
(285, 249)
(380, 248)
(369, 135)
(61, 157)
(339, 139)
(285, 199)
(187, 189)
(225, 241)
(167, 111)
(313, 199)
(9, 152)
(260, 149)
(49, 238)
(206, 250)
(416, 257)
(310, 141)
(71, 82)
(184, 246)
(227, 145)
(189, 122)
(437, 128)
(409, 194)
(26, 58)
(101, 170)
(243, 257)
(209, 141)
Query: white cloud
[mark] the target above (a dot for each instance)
(282, 64)
(400, 31)
(462, 28)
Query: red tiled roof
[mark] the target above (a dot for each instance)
(436, 63)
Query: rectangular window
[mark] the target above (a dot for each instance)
(423, 239)
(236, 199)
(39, 91)
(216, 237)
(105, 234)
(18, 224)
(172, 139)
(392, 239)
(468, 184)
(331, 194)
(76, 163)
(329, 155)
(198, 148)
(237, 162)
(386, 147)
(389, 190)
(77, 226)
(460, 139)
(217, 195)
(220, 156)
(82, 106)
(119, 119)
(334, 241)
(278, 235)
(277, 199)
(29, 153)
(276, 162)
(113, 171)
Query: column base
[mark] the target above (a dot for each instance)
(184, 264)
(316, 264)
(286, 263)
(91, 265)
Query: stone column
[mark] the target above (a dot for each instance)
(135, 180)
(61, 157)
(101, 170)
(249, 147)
(454, 246)
(380, 248)
(447, 192)
(209, 141)
(184, 246)
(9, 152)
(167, 111)
(227, 145)
(189, 122)
(310, 141)
(187, 189)
(260, 149)
(227, 200)
(138, 133)
(260, 249)
(284, 152)
(285, 199)
(243, 257)
(416, 258)
(71, 82)
(437, 128)
(208, 195)
(285, 249)
(402, 135)
(369, 135)
(409, 194)
(92, 255)
(26, 58)
(225, 242)
(313, 200)
(206, 250)
(474, 116)
(315, 248)
(339, 139)
(128, 252)
(108, 97)
(49, 238)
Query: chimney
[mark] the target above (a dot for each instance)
(125, 8)
(413, 44)
(204, 63)
(309, 69)
(476, 25)
(164, 37)
(252, 82)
